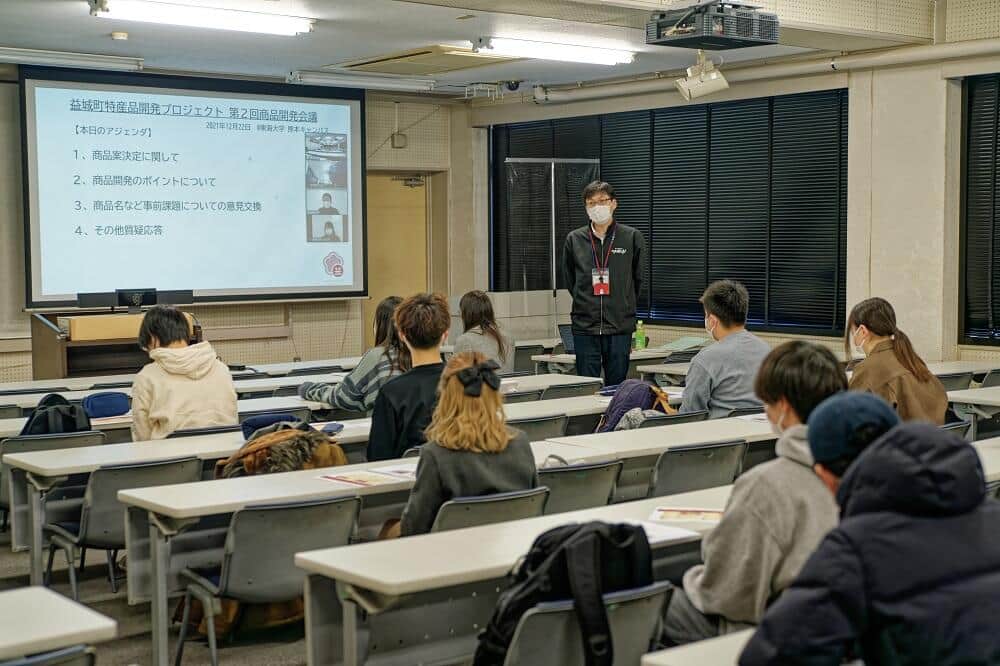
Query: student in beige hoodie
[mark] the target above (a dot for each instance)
(777, 515)
(186, 386)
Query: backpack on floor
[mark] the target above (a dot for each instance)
(55, 415)
(578, 562)
(633, 394)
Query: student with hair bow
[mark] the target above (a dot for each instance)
(470, 451)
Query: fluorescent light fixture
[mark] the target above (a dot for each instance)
(64, 59)
(702, 79)
(197, 16)
(372, 81)
(522, 48)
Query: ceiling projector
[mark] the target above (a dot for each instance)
(712, 25)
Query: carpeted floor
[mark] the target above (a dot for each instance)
(281, 647)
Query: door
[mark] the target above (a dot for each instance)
(397, 243)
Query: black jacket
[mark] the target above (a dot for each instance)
(402, 411)
(604, 315)
(912, 574)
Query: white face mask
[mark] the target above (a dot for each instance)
(858, 351)
(709, 329)
(599, 214)
(777, 428)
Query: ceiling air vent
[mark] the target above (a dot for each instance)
(425, 61)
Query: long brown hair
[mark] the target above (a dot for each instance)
(387, 337)
(878, 316)
(477, 310)
(463, 422)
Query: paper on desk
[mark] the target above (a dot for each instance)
(686, 343)
(403, 470)
(659, 533)
(108, 420)
(762, 418)
(675, 514)
(366, 478)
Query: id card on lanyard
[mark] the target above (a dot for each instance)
(600, 276)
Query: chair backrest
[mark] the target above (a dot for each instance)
(542, 428)
(102, 519)
(258, 564)
(344, 415)
(488, 509)
(285, 391)
(111, 385)
(23, 444)
(686, 468)
(522, 396)
(522, 358)
(566, 335)
(412, 452)
(758, 453)
(549, 633)
(208, 430)
(956, 381)
(683, 356)
(746, 411)
(80, 655)
(14, 412)
(571, 390)
(579, 486)
(515, 373)
(992, 379)
(674, 419)
(315, 370)
(30, 390)
(960, 428)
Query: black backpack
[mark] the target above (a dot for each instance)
(55, 415)
(578, 562)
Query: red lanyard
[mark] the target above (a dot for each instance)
(607, 256)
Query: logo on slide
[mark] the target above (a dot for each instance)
(334, 265)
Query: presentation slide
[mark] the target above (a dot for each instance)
(228, 195)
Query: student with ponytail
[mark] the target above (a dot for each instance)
(891, 368)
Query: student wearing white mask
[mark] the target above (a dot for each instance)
(602, 264)
(778, 513)
(891, 368)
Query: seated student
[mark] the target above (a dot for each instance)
(891, 368)
(185, 386)
(778, 513)
(481, 331)
(912, 573)
(469, 451)
(721, 376)
(405, 404)
(358, 390)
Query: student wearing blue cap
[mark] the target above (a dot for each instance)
(912, 573)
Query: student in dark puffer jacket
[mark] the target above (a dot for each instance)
(911, 576)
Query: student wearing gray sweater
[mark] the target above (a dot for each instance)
(721, 376)
(469, 451)
(481, 332)
(778, 512)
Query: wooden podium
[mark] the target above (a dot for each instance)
(88, 344)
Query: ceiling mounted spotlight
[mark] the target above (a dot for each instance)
(702, 79)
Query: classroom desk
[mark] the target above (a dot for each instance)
(439, 603)
(722, 651)
(35, 619)
(672, 374)
(279, 369)
(651, 355)
(78, 383)
(547, 344)
(158, 548)
(974, 404)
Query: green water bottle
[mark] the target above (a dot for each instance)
(639, 336)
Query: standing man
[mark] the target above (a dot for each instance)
(602, 264)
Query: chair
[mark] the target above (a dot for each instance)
(315, 370)
(112, 385)
(957, 381)
(208, 430)
(412, 452)
(522, 396)
(101, 523)
(40, 443)
(575, 487)
(27, 390)
(258, 563)
(673, 419)
(992, 379)
(758, 453)
(686, 468)
(472, 511)
(960, 428)
(14, 412)
(515, 373)
(549, 633)
(571, 390)
(303, 414)
(566, 335)
(345, 415)
(542, 428)
(745, 411)
(522, 358)
(80, 655)
(285, 392)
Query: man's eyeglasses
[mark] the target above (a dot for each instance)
(598, 202)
